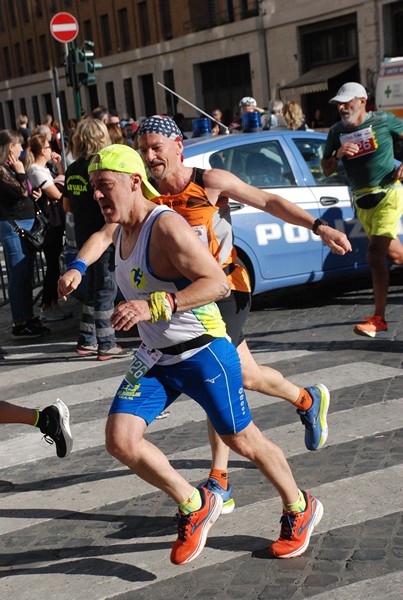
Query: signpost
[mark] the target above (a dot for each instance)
(64, 27)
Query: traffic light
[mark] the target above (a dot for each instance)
(85, 66)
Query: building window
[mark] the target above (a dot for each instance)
(87, 27)
(2, 20)
(2, 121)
(329, 41)
(11, 113)
(18, 59)
(170, 99)
(147, 87)
(38, 8)
(35, 108)
(23, 106)
(110, 95)
(24, 11)
(43, 46)
(106, 34)
(129, 98)
(144, 24)
(31, 57)
(166, 23)
(11, 13)
(6, 63)
(393, 25)
(63, 106)
(124, 35)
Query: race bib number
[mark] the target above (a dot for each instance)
(365, 140)
(142, 362)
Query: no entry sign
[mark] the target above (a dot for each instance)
(64, 27)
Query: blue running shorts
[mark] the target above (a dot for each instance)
(212, 377)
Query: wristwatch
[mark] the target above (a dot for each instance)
(317, 223)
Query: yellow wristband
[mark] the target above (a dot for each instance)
(160, 307)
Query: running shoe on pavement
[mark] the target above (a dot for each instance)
(87, 350)
(56, 429)
(228, 501)
(314, 418)
(29, 329)
(54, 313)
(194, 527)
(374, 327)
(115, 352)
(297, 528)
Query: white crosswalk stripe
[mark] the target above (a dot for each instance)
(26, 510)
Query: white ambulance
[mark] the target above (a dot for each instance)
(389, 88)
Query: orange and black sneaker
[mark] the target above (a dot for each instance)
(194, 527)
(374, 327)
(296, 529)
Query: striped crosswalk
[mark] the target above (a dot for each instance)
(85, 528)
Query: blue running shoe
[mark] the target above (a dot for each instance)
(228, 501)
(314, 418)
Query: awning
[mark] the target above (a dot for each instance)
(315, 80)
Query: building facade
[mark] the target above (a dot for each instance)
(209, 52)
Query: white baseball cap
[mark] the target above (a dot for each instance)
(247, 100)
(348, 91)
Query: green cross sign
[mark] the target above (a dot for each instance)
(388, 91)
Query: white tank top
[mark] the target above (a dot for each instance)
(137, 281)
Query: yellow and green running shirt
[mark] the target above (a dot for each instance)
(137, 282)
(374, 165)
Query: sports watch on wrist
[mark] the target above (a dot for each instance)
(317, 223)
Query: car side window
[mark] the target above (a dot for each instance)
(311, 151)
(262, 164)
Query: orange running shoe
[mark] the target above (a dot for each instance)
(194, 527)
(296, 529)
(374, 327)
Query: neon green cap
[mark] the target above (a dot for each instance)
(123, 159)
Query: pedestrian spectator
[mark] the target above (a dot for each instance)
(101, 113)
(293, 116)
(128, 128)
(54, 141)
(114, 117)
(317, 121)
(53, 421)
(115, 133)
(217, 129)
(16, 204)
(23, 129)
(276, 120)
(179, 119)
(96, 337)
(156, 251)
(246, 104)
(38, 156)
(363, 141)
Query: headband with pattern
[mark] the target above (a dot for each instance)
(161, 125)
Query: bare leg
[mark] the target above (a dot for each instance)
(264, 379)
(268, 458)
(395, 251)
(10, 413)
(125, 441)
(258, 378)
(378, 248)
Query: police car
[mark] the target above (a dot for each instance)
(278, 254)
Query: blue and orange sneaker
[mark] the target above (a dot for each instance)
(228, 501)
(315, 418)
(297, 528)
(194, 527)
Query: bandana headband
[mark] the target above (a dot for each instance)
(162, 126)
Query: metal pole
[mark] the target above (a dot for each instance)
(76, 86)
(226, 130)
(59, 115)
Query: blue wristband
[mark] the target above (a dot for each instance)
(79, 264)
